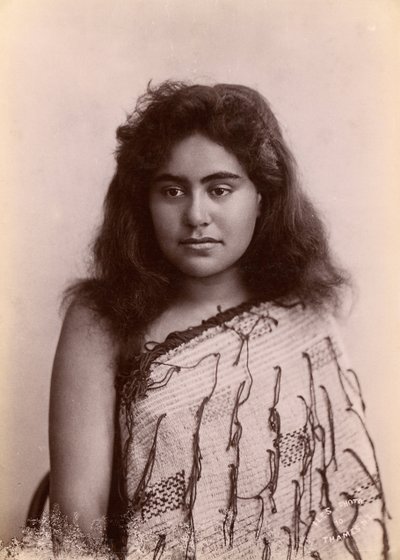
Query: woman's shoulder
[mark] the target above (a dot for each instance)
(303, 316)
(86, 343)
(84, 321)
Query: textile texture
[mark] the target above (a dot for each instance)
(245, 438)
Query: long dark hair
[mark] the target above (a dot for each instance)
(131, 282)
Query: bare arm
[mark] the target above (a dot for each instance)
(82, 402)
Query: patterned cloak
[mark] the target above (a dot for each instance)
(245, 438)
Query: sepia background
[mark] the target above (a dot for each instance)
(72, 70)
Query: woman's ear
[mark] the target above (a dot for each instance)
(259, 202)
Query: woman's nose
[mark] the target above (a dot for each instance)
(197, 212)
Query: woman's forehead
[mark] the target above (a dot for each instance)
(199, 153)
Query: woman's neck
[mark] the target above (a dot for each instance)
(198, 299)
(225, 290)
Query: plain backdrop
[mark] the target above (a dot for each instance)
(70, 72)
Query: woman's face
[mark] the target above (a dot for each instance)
(204, 208)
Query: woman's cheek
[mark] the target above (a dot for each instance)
(163, 221)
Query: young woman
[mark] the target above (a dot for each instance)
(200, 397)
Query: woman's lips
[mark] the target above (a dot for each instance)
(200, 243)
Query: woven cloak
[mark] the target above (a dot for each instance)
(245, 438)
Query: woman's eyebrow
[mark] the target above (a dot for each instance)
(180, 179)
(169, 177)
(220, 175)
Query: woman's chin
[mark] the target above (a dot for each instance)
(207, 272)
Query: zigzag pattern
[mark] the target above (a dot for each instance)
(168, 494)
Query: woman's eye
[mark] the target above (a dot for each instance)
(220, 191)
(173, 192)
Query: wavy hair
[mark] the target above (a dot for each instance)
(131, 282)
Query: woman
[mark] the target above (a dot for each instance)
(200, 397)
